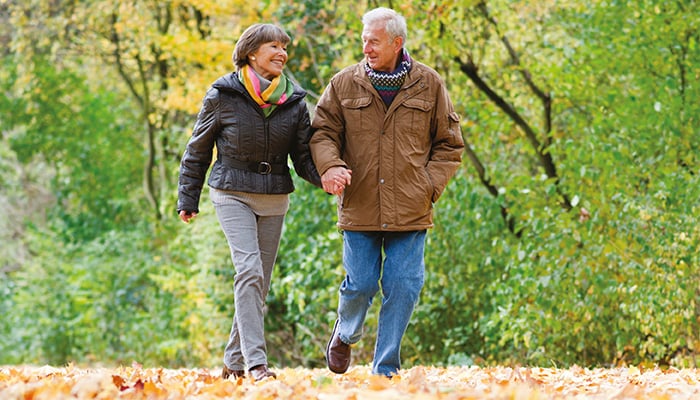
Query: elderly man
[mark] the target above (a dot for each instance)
(387, 140)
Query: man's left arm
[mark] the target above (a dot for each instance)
(447, 143)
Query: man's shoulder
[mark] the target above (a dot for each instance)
(425, 70)
(348, 72)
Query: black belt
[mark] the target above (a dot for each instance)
(260, 167)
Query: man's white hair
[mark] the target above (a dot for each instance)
(395, 24)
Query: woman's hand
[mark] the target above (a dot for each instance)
(187, 216)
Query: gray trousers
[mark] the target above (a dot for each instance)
(253, 240)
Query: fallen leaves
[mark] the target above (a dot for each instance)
(420, 383)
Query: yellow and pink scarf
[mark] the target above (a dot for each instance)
(277, 93)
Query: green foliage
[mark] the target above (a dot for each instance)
(73, 302)
(119, 298)
(460, 264)
(84, 135)
(86, 277)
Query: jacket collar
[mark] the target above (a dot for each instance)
(413, 84)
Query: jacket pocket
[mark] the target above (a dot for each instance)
(453, 124)
(356, 103)
(417, 114)
(356, 112)
(418, 104)
(413, 122)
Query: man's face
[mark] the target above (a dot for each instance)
(381, 52)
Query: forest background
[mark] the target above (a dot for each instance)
(569, 235)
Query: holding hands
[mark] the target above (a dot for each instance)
(335, 179)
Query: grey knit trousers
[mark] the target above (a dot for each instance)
(252, 224)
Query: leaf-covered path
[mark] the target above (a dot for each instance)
(135, 382)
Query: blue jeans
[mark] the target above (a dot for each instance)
(400, 277)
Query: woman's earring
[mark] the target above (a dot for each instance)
(252, 58)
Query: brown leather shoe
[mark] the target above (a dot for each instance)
(337, 353)
(261, 372)
(237, 373)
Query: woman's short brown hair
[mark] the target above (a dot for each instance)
(254, 37)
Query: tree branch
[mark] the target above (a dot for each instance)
(116, 41)
(544, 97)
(148, 181)
(544, 157)
(493, 190)
(541, 150)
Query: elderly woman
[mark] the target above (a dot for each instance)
(257, 118)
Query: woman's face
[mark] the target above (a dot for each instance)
(269, 59)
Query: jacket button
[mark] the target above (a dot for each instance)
(384, 225)
(381, 181)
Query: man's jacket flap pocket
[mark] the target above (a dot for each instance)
(360, 102)
(418, 104)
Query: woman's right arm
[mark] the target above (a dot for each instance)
(198, 154)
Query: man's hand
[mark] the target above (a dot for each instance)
(335, 179)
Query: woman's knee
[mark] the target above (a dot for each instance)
(250, 277)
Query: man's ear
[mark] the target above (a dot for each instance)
(398, 44)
